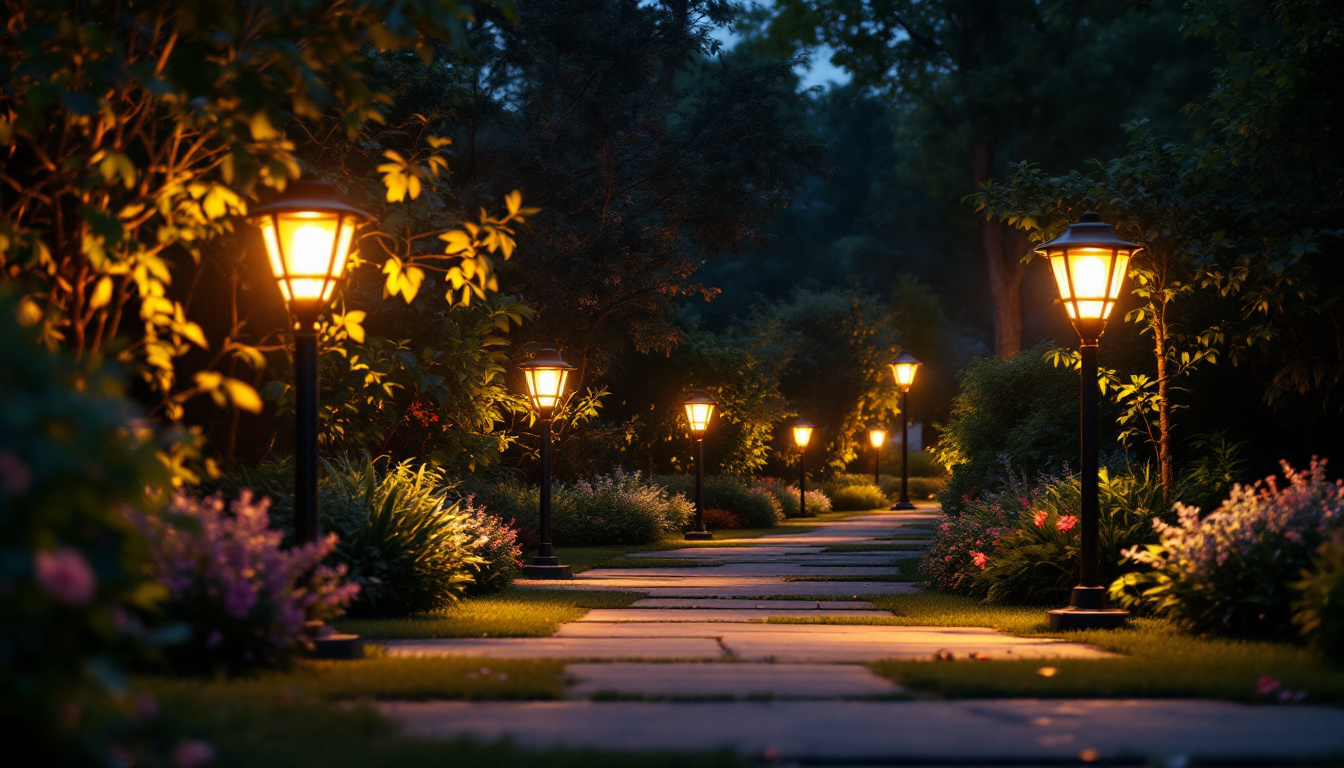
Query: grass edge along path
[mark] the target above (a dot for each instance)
(1159, 660)
(515, 612)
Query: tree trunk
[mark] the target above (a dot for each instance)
(1003, 247)
(1166, 473)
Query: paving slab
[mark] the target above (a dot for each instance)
(1017, 731)
(742, 588)
(607, 648)
(675, 680)
(735, 603)
(720, 573)
(831, 643)
(655, 615)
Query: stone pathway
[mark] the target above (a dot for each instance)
(703, 662)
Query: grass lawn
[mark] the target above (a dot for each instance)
(288, 721)
(515, 612)
(1160, 660)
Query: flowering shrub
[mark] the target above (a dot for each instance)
(620, 508)
(858, 497)
(787, 497)
(1318, 610)
(242, 598)
(1021, 544)
(753, 507)
(71, 565)
(720, 519)
(496, 543)
(1230, 572)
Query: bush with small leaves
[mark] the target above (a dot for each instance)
(857, 497)
(755, 508)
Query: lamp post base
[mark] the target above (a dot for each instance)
(699, 535)
(327, 643)
(1065, 619)
(902, 505)
(543, 571)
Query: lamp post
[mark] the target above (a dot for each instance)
(545, 375)
(903, 369)
(1089, 263)
(802, 435)
(699, 406)
(877, 435)
(308, 230)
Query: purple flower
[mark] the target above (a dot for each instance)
(65, 575)
(15, 476)
(192, 754)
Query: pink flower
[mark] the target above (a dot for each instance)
(1066, 522)
(15, 476)
(191, 754)
(65, 575)
(1039, 517)
(1266, 685)
(979, 559)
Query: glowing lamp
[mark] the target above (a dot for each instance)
(802, 433)
(699, 406)
(1089, 263)
(903, 368)
(545, 375)
(877, 436)
(308, 230)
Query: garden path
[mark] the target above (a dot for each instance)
(730, 653)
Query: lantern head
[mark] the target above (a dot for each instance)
(802, 433)
(545, 375)
(308, 230)
(699, 406)
(877, 435)
(1089, 263)
(903, 368)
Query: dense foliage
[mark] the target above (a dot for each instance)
(71, 455)
(1230, 571)
(857, 497)
(238, 599)
(1318, 609)
(1021, 412)
(751, 506)
(619, 508)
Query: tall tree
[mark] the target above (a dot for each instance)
(986, 82)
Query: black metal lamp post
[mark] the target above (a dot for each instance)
(877, 435)
(802, 435)
(903, 369)
(1089, 263)
(699, 406)
(545, 375)
(308, 230)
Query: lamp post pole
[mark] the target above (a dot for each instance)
(699, 531)
(802, 482)
(546, 550)
(904, 503)
(877, 464)
(1089, 263)
(306, 529)
(699, 406)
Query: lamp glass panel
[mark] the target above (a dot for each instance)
(1061, 275)
(698, 415)
(545, 385)
(309, 238)
(274, 255)
(801, 436)
(904, 373)
(877, 437)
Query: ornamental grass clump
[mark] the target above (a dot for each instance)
(237, 600)
(1232, 572)
(857, 497)
(410, 544)
(619, 508)
(786, 495)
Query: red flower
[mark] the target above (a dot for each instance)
(979, 559)
(1066, 523)
(1039, 517)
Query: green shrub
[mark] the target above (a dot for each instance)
(755, 508)
(72, 567)
(619, 508)
(787, 497)
(720, 519)
(1023, 410)
(924, 488)
(1229, 572)
(1318, 610)
(858, 497)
